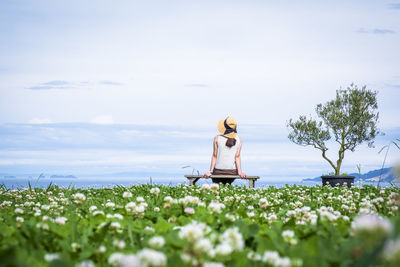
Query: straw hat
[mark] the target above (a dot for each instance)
(227, 127)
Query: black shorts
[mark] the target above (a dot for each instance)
(224, 172)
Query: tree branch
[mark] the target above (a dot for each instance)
(330, 162)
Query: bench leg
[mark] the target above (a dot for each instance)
(192, 181)
(251, 183)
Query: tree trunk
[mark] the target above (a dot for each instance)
(339, 164)
(340, 159)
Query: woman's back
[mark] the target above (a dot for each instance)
(225, 154)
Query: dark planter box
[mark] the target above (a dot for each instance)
(334, 180)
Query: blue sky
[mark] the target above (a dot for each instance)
(73, 74)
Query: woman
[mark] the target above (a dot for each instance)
(226, 154)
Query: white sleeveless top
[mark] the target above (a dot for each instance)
(225, 154)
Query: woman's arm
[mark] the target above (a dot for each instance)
(238, 162)
(213, 158)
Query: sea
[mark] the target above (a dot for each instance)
(93, 182)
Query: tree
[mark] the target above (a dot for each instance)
(351, 118)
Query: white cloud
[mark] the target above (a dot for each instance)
(286, 61)
(103, 119)
(40, 121)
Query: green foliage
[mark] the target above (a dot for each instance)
(318, 240)
(351, 119)
(333, 174)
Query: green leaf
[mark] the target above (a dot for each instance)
(162, 226)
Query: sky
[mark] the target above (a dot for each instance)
(84, 83)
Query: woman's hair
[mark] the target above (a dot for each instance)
(230, 142)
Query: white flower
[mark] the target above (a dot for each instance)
(189, 260)
(189, 210)
(140, 199)
(92, 208)
(115, 225)
(156, 209)
(101, 225)
(189, 200)
(250, 214)
(101, 249)
(263, 203)
(216, 207)
(97, 212)
(43, 226)
(213, 264)
(203, 245)
(156, 242)
(118, 216)
(168, 199)
(214, 187)
(230, 217)
(365, 211)
(148, 228)
(85, 263)
(140, 209)
(151, 257)
(270, 257)
(75, 247)
(60, 220)
(79, 197)
(130, 207)
(50, 257)
(234, 238)
(391, 252)
(253, 256)
(205, 187)
(115, 258)
(371, 224)
(119, 243)
(19, 219)
(19, 211)
(155, 191)
(288, 236)
(127, 194)
(282, 262)
(223, 249)
(291, 213)
(326, 215)
(272, 217)
(131, 261)
(193, 231)
(305, 209)
(110, 204)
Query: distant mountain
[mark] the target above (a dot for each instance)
(388, 175)
(62, 176)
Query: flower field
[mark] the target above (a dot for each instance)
(147, 225)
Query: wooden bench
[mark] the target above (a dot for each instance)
(194, 178)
